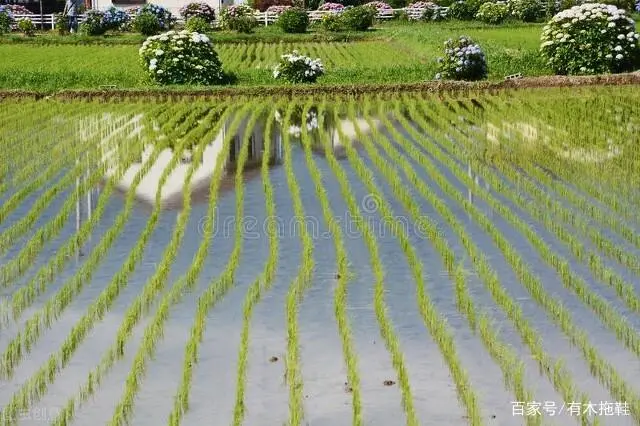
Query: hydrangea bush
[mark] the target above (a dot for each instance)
(526, 10)
(17, 9)
(463, 60)
(183, 57)
(26, 26)
(277, 9)
(464, 10)
(296, 68)
(93, 23)
(115, 19)
(6, 20)
(201, 10)
(493, 13)
(239, 18)
(165, 19)
(331, 7)
(590, 39)
(379, 6)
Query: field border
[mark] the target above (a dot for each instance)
(464, 87)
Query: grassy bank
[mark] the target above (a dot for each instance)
(391, 53)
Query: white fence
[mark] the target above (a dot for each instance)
(266, 18)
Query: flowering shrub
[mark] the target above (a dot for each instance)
(358, 18)
(331, 7)
(60, 24)
(463, 60)
(379, 6)
(163, 16)
(26, 26)
(201, 10)
(277, 9)
(526, 10)
(332, 23)
(294, 20)
(6, 20)
(492, 13)
(240, 18)
(183, 57)
(115, 19)
(17, 9)
(296, 68)
(590, 39)
(93, 23)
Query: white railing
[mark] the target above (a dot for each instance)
(266, 18)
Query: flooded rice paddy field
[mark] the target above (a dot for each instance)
(374, 261)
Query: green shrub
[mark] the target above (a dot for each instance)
(60, 24)
(243, 24)
(526, 10)
(238, 18)
(464, 10)
(147, 24)
(332, 23)
(401, 15)
(492, 13)
(591, 39)
(294, 20)
(27, 27)
(359, 18)
(6, 19)
(198, 24)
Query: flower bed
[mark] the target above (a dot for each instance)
(591, 39)
(181, 58)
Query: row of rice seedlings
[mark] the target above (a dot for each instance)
(261, 285)
(155, 283)
(387, 331)
(153, 333)
(20, 263)
(342, 276)
(554, 370)
(26, 294)
(608, 276)
(616, 128)
(58, 157)
(222, 284)
(298, 285)
(54, 307)
(34, 387)
(623, 330)
(28, 137)
(600, 368)
(434, 321)
(582, 202)
(11, 234)
(508, 361)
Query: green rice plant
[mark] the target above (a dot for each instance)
(261, 285)
(297, 287)
(11, 234)
(200, 136)
(34, 387)
(56, 305)
(512, 368)
(386, 328)
(343, 274)
(600, 368)
(153, 332)
(24, 297)
(434, 321)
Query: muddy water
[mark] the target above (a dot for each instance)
(327, 400)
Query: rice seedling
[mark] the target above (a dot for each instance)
(261, 285)
(340, 294)
(153, 332)
(157, 281)
(600, 368)
(433, 320)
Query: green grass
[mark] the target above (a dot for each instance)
(391, 53)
